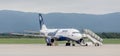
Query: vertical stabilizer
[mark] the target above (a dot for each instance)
(41, 22)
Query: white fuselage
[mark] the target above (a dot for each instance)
(63, 34)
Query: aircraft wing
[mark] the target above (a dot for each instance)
(27, 34)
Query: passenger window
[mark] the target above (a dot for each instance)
(65, 31)
(75, 32)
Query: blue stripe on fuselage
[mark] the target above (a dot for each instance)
(62, 38)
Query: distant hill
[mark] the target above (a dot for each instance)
(16, 21)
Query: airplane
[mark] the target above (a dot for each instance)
(70, 35)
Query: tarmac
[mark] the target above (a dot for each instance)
(61, 50)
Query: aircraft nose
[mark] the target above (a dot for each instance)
(77, 35)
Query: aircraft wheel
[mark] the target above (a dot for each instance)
(73, 44)
(86, 45)
(67, 44)
(49, 44)
(96, 44)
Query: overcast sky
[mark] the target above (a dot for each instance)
(66, 6)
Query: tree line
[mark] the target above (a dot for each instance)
(107, 35)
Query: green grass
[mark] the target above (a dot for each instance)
(111, 41)
(42, 41)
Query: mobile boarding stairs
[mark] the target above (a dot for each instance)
(95, 39)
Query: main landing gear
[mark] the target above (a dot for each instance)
(49, 44)
(69, 44)
(52, 42)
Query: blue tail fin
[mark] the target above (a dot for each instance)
(41, 22)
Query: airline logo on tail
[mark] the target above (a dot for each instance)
(41, 22)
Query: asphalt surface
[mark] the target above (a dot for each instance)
(42, 50)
